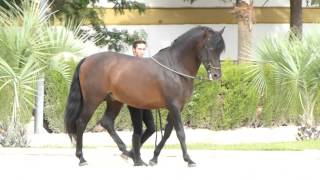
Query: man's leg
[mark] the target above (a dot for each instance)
(150, 126)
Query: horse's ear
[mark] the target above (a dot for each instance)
(222, 30)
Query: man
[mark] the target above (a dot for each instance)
(139, 115)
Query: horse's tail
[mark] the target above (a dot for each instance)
(74, 104)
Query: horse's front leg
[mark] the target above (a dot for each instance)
(178, 126)
(167, 132)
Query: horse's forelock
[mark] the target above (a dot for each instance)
(218, 42)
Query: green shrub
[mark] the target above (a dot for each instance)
(224, 104)
(56, 93)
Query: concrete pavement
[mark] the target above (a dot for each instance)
(106, 163)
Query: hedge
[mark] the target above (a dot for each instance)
(224, 104)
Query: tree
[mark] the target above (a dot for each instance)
(296, 17)
(244, 11)
(313, 2)
(4, 4)
(287, 71)
(78, 10)
(29, 47)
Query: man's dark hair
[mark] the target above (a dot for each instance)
(135, 43)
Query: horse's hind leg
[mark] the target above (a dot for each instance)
(81, 124)
(112, 111)
(167, 132)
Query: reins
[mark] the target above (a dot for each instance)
(159, 115)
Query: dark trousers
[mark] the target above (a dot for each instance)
(139, 115)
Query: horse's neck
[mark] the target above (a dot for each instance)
(182, 59)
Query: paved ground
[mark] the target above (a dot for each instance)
(106, 163)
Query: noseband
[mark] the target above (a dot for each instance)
(208, 60)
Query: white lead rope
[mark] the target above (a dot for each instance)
(181, 74)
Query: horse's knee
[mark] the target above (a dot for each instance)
(138, 133)
(151, 130)
(107, 122)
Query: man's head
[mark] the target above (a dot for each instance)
(139, 48)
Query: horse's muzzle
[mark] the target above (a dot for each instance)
(213, 76)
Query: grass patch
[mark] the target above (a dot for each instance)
(281, 146)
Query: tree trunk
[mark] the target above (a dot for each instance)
(296, 17)
(245, 15)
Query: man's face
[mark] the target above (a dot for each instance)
(139, 50)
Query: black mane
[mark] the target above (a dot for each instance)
(188, 34)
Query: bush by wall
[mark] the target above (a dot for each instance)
(224, 104)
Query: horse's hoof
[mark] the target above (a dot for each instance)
(124, 156)
(83, 163)
(140, 163)
(192, 164)
(127, 155)
(152, 163)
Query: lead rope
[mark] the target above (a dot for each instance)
(182, 74)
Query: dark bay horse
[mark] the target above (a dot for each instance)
(162, 81)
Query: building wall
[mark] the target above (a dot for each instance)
(160, 36)
(165, 20)
(204, 3)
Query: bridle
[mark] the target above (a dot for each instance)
(210, 67)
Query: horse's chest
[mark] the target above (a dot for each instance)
(180, 91)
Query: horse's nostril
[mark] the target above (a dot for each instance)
(215, 75)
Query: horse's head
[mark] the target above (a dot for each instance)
(210, 49)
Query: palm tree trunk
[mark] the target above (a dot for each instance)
(296, 17)
(308, 102)
(38, 120)
(245, 15)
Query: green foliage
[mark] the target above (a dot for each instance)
(313, 2)
(224, 104)
(121, 5)
(56, 94)
(117, 39)
(56, 89)
(5, 5)
(276, 146)
(29, 46)
(228, 103)
(114, 39)
(287, 72)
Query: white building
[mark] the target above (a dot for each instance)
(165, 20)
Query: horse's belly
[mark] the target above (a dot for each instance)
(147, 100)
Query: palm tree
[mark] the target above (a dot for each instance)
(28, 45)
(244, 11)
(289, 70)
